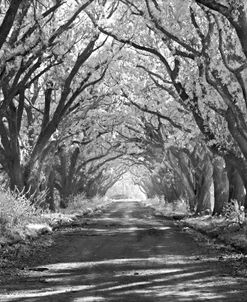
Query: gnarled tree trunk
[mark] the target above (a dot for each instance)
(236, 185)
(221, 185)
(205, 177)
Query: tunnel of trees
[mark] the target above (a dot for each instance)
(93, 89)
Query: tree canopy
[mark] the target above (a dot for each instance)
(93, 89)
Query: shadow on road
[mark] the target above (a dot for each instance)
(127, 255)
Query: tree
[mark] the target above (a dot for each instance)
(194, 48)
(43, 79)
(164, 81)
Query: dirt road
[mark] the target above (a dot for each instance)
(129, 255)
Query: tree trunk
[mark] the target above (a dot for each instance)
(64, 200)
(15, 174)
(205, 175)
(236, 186)
(50, 194)
(180, 164)
(221, 185)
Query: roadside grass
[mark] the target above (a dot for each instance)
(178, 209)
(16, 213)
(227, 230)
(20, 220)
(22, 224)
(81, 205)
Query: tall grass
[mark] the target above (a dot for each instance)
(16, 211)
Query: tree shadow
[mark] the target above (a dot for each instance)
(127, 262)
(143, 279)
